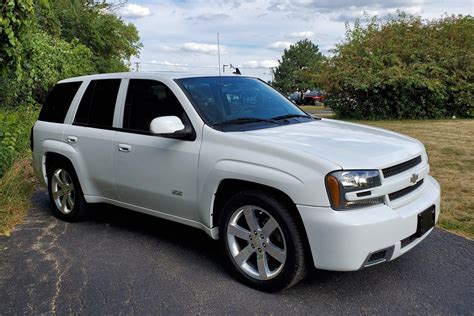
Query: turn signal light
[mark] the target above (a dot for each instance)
(334, 192)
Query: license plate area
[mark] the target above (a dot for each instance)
(426, 221)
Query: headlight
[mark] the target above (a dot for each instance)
(338, 183)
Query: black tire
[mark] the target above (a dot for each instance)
(294, 268)
(78, 210)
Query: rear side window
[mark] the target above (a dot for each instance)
(58, 101)
(98, 104)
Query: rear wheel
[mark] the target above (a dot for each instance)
(262, 241)
(65, 192)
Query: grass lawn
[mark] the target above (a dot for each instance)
(450, 147)
(312, 108)
(16, 187)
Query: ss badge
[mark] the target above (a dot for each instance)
(177, 192)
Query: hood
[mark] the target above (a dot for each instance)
(351, 146)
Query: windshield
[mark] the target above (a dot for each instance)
(240, 103)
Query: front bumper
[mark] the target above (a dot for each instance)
(344, 240)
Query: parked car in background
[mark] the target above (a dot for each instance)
(295, 98)
(314, 97)
(282, 190)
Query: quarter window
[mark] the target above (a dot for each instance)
(58, 101)
(146, 100)
(98, 104)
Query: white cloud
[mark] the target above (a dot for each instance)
(279, 45)
(167, 48)
(305, 34)
(202, 48)
(250, 64)
(167, 63)
(260, 64)
(206, 17)
(269, 63)
(134, 11)
(354, 13)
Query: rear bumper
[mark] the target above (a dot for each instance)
(39, 168)
(344, 240)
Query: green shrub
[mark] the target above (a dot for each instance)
(15, 126)
(403, 67)
(43, 41)
(46, 61)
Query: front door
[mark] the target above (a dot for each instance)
(154, 172)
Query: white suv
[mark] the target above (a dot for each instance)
(281, 189)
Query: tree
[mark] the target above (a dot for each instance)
(403, 67)
(44, 41)
(14, 22)
(95, 25)
(298, 67)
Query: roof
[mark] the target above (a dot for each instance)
(145, 75)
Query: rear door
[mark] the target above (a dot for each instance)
(154, 172)
(92, 136)
(50, 124)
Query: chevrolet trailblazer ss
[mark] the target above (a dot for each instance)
(280, 189)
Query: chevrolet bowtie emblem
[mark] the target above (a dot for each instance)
(413, 178)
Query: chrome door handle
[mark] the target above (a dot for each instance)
(124, 148)
(71, 139)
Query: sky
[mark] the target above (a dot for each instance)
(181, 35)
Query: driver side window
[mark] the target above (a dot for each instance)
(146, 100)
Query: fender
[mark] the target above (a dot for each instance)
(39, 161)
(75, 157)
(242, 170)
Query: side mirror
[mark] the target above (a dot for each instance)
(166, 126)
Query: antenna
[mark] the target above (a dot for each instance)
(219, 54)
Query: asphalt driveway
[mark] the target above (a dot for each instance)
(122, 262)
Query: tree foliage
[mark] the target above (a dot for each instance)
(298, 67)
(94, 25)
(43, 41)
(47, 60)
(403, 67)
(14, 21)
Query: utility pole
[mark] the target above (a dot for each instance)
(219, 54)
(137, 65)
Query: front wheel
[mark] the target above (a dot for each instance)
(262, 241)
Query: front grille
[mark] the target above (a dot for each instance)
(404, 166)
(400, 193)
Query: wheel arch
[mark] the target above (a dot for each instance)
(229, 187)
(52, 157)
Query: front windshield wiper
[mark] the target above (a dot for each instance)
(287, 116)
(245, 120)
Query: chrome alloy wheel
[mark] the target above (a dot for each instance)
(256, 242)
(62, 189)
